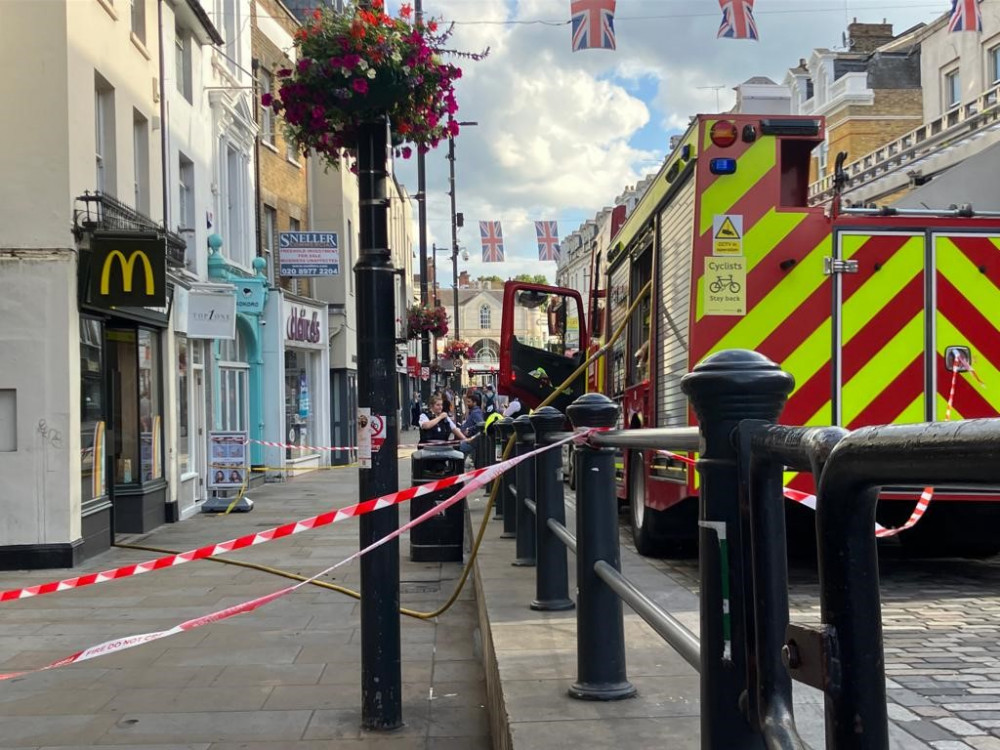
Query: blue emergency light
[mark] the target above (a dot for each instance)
(722, 166)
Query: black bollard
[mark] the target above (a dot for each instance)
(506, 495)
(381, 660)
(525, 474)
(724, 389)
(552, 579)
(600, 625)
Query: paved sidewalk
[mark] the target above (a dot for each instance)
(285, 676)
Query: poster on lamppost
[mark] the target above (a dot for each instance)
(308, 254)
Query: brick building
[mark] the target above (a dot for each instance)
(869, 93)
(283, 172)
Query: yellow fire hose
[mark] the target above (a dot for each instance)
(467, 568)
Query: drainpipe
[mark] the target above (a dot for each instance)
(165, 155)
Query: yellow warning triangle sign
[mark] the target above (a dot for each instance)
(727, 231)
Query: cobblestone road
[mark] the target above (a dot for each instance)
(941, 620)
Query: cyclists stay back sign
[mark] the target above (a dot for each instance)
(724, 290)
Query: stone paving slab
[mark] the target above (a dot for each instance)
(285, 676)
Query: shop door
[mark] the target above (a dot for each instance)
(198, 426)
(881, 333)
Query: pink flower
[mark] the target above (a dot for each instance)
(407, 152)
(360, 85)
(304, 64)
(266, 100)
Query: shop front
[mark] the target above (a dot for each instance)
(125, 305)
(303, 376)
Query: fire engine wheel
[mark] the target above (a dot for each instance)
(657, 533)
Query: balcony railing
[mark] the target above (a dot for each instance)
(948, 129)
(99, 211)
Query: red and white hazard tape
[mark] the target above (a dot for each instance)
(249, 540)
(346, 448)
(475, 480)
(809, 500)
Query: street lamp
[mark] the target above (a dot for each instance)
(454, 219)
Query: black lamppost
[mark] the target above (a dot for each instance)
(454, 219)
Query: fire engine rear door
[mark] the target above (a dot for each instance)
(967, 277)
(881, 333)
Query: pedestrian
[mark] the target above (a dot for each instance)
(512, 408)
(435, 424)
(415, 410)
(471, 425)
(489, 399)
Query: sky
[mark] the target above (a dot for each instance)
(561, 134)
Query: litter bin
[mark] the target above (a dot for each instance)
(441, 537)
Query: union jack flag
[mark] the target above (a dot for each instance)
(965, 16)
(548, 240)
(593, 24)
(737, 20)
(492, 238)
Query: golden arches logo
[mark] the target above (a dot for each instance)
(127, 266)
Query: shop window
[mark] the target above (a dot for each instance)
(92, 424)
(134, 356)
(298, 404)
(150, 414)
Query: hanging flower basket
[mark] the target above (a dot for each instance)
(458, 349)
(434, 320)
(358, 66)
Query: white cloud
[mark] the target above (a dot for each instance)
(557, 131)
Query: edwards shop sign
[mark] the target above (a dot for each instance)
(303, 325)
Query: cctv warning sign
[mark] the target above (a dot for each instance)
(727, 234)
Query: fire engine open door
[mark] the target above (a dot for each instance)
(543, 339)
(881, 332)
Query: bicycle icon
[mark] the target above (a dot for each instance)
(725, 282)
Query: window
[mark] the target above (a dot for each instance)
(267, 114)
(298, 409)
(183, 432)
(92, 425)
(269, 234)
(231, 24)
(822, 156)
(484, 317)
(993, 60)
(291, 151)
(104, 135)
(952, 90)
(186, 193)
(139, 19)
(182, 62)
(233, 203)
(140, 146)
(232, 410)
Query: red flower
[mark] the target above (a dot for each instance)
(360, 85)
(405, 12)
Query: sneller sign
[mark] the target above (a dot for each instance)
(301, 328)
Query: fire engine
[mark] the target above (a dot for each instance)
(872, 310)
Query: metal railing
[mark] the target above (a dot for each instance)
(950, 128)
(101, 211)
(747, 651)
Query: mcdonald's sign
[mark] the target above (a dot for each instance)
(128, 271)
